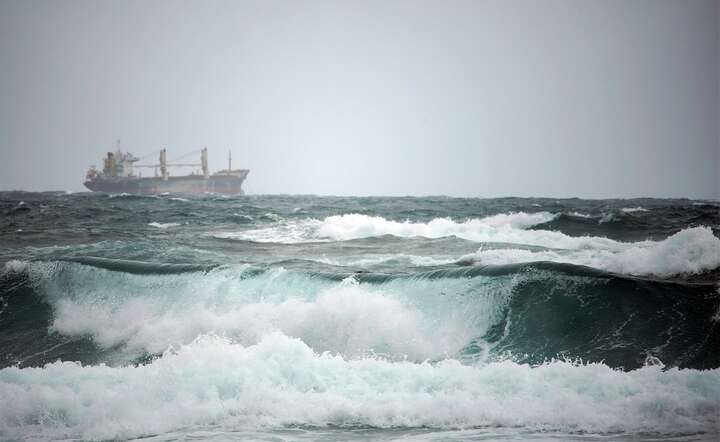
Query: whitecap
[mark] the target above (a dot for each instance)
(16, 266)
(355, 226)
(163, 225)
(690, 251)
(582, 215)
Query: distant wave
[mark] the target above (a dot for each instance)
(582, 215)
(634, 209)
(343, 227)
(691, 251)
(355, 226)
(131, 196)
(163, 225)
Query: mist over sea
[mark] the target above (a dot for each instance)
(358, 318)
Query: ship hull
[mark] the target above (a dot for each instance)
(228, 184)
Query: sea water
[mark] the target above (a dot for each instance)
(348, 318)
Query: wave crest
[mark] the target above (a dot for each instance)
(690, 251)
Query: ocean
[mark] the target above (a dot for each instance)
(298, 318)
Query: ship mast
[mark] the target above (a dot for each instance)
(204, 163)
(229, 161)
(163, 164)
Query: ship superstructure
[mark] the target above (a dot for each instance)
(118, 176)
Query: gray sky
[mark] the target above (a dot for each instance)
(476, 98)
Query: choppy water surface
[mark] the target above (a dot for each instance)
(326, 318)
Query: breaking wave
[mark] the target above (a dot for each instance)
(469, 313)
(281, 382)
(690, 251)
(355, 226)
(147, 313)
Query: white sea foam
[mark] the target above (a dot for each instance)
(16, 266)
(281, 382)
(634, 209)
(582, 215)
(689, 251)
(375, 260)
(518, 220)
(495, 228)
(289, 232)
(163, 225)
(351, 226)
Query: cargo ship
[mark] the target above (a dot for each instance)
(118, 176)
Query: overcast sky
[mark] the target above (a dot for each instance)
(476, 98)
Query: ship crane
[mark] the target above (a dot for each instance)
(163, 165)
